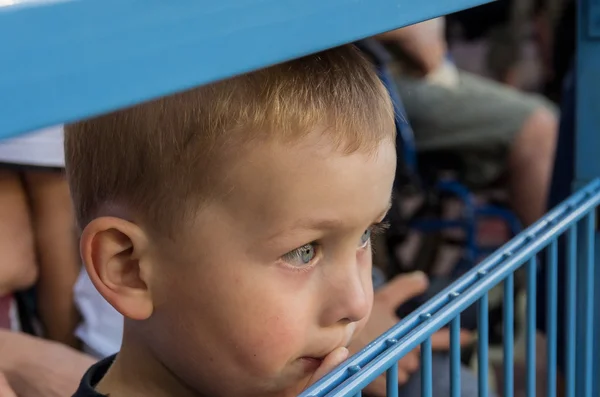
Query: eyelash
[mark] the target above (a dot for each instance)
(375, 229)
(379, 228)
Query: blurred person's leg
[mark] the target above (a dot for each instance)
(56, 243)
(18, 269)
(496, 131)
(530, 165)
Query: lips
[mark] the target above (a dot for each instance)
(320, 354)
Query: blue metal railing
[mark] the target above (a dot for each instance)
(576, 217)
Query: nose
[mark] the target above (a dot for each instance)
(348, 292)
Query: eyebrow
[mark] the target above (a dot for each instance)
(325, 224)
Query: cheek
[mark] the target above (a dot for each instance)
(260, 322)
(247, 331)
(273, 341)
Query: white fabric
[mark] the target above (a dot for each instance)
(41, 148)
(101, 329)
(447, 75)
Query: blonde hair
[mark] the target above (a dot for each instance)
(157, 156)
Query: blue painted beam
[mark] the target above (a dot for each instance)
(587, 165)
(66, 60)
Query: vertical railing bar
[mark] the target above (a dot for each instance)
(570, 310)
(531, 326)
(509, 335)
(455, 363)
(551, 316)
(589, 304)
(426, 369)
(391, 381)
(482, 348)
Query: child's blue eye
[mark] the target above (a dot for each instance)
(301, 256)
(365, 238)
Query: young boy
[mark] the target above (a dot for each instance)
(231, 226)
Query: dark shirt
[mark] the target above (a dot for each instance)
(92, 377)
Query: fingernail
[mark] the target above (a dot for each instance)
(344, 353)
(419, 275)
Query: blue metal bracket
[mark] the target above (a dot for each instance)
(587, 138)
(593, 19)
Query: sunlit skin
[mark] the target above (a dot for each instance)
(268, 281)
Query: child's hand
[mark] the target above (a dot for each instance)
(330, 361)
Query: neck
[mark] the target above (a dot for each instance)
(137, 372)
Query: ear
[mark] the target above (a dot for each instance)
(116, 256)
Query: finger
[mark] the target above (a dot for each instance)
(466, 338)
(409, 363)
(403, 288)
(330, 361)
(377, 388)
(441, 339)
(5, 389)
(403, 377)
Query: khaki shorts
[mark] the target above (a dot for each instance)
(475, 118)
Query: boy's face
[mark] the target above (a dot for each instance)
(274, 276)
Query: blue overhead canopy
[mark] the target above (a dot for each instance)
(65, 60)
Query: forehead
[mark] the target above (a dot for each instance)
(275, 185)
